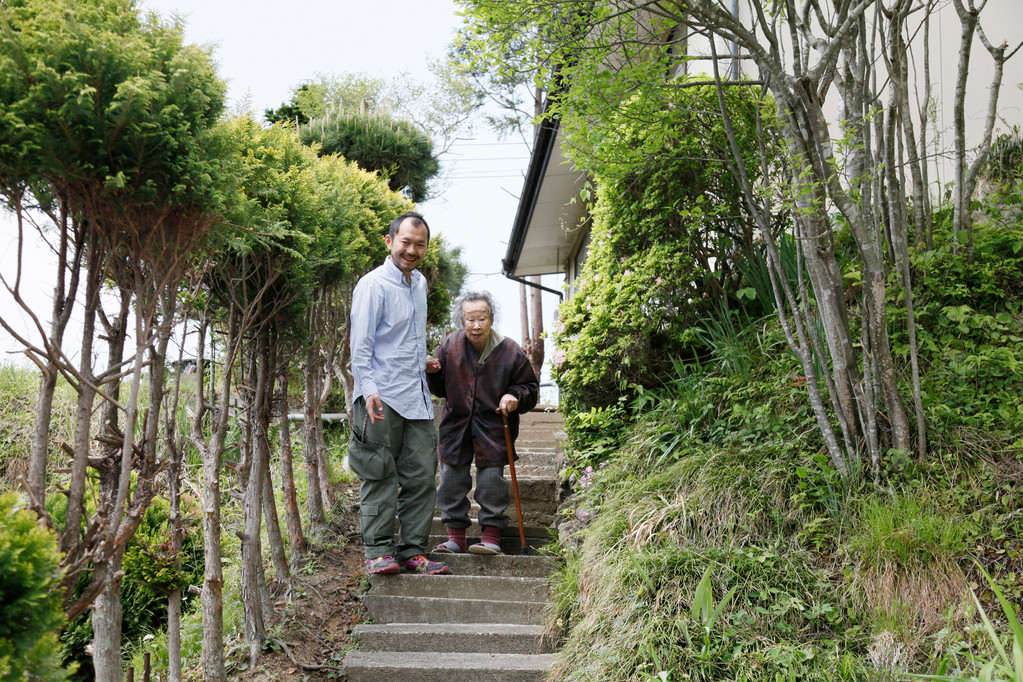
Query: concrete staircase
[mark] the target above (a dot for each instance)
(483, 622)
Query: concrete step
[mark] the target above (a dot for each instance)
(409, 609)
(444, 667)
(538, 492)
(511, 544)
(522, 565)
(504, 588)
(543, 415)
(454, 637)
(511, 531)
(539, 438)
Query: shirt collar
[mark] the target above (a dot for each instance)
(493, 342)
(395, 273)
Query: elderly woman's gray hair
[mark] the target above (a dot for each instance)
(472, 297)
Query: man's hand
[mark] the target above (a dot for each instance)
(374, 407)
(432, 364)
(509, 404)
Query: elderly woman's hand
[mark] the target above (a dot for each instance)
(509, 404)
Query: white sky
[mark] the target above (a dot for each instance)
(265, 49)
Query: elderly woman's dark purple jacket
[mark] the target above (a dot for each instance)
(473, 393)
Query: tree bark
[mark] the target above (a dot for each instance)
(212, 449)
(64, 293)
(252, 506)
(536, 349)
(293, 519)
(311, 426)
(106, 627)
(273, 529)
(70, 540)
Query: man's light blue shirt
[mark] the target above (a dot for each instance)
(388, 340)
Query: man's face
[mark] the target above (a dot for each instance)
(477, 321)
(408, 247)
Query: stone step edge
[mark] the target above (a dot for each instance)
(424, 660)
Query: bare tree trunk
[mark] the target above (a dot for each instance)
(960, 201)
(106, 627)
(212, 659)
(322, 466)
(296, 537)
(263, 419)
(273, 529)
(924, 234)
(106, 614)
(784, 298)
(64, 293)
(900, 114)
(128, 509)
(175, 448)
(312, 424)
(252, 477)
(524, 316)
(536, 350)
(70, 543)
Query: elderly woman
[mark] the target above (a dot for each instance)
(483, 376)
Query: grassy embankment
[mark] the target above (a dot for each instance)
(811, 575)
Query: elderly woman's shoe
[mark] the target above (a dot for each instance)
(485, 548)
(448, 547)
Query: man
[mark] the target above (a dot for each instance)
(393, 448)
(484, 378)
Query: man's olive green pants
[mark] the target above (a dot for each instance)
(396, 462)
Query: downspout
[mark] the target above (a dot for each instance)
(514, 278)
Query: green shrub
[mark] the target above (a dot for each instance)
(30, 608)
(150, 574)
(667, 234)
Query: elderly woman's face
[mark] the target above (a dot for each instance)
(477, 321)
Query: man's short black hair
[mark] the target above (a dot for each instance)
(417, 220)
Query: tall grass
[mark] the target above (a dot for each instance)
(907, 576)
(19, 391)
(692, 569)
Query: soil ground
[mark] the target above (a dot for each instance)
(311, 632)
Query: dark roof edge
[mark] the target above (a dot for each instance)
(538, 162)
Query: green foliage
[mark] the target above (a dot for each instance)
(835, 578)
(30, 608)
(668, 230)
(906, 531)
(1005, 158)
(108, 102)
(151, 572)
(399, 151)
(445, 274)
(685, 573)
(969, 317)
(351, 93)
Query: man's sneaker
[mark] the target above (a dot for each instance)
(382, 565)
(423, 566)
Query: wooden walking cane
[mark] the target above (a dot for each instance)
(515, 483)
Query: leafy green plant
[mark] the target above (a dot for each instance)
(705, 612)
(30, 608)
(664, 237)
